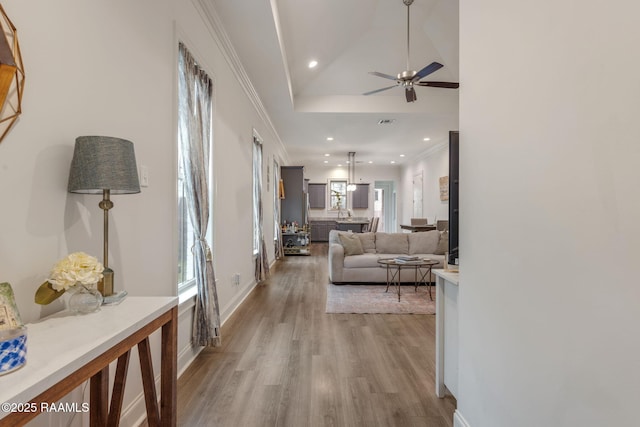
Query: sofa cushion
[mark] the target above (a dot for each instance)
(443, 243)
(361, 261)
(368, 241)
(423, 242)
(392, 243)
(351, 244)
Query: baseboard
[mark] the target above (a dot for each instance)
(236, 302)
(135, 414)
(459, 421)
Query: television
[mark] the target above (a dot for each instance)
(454, 173)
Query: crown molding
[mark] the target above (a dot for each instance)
(214, 24)
(432, 150)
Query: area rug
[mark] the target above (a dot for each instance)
(373, 299)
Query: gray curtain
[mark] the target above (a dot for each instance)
(279, 247)
(194, 131)
(261, 262)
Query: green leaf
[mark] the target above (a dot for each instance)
(46, 294)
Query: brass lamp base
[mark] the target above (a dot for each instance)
(105, 286)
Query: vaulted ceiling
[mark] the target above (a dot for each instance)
(275, 41)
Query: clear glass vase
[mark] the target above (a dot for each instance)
(85, 299)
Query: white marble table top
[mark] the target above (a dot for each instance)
(60, 344)
(449, 276)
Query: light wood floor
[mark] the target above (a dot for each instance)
(285, 362)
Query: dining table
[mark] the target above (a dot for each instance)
(416, 228)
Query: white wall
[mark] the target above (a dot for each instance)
(109, 68)
(432, 165)
(549, 156)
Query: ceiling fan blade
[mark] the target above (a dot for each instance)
(379, 90)
(410, 94)
(447, 85)
(384, 76)
(431, 68)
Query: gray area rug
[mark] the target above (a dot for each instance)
(373, 299)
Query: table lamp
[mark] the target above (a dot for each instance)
(104, 165)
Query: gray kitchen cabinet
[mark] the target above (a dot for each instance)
(360, 197)
(317, 196)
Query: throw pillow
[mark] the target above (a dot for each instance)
(443, 243)
(392, 243)
(368, 241)
(423, 242)
(351, 244)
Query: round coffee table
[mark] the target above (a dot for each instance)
(421, 267)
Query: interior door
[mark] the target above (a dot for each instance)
(417, 195)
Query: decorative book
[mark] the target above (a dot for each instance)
(407, 259)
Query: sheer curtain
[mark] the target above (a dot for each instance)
(261, 262)
(195, 132)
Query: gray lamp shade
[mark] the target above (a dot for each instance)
(103, 163)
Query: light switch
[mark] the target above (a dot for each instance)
(144, 176)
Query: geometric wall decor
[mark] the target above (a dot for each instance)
(11, 75)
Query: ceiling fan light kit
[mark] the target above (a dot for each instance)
(410, 78)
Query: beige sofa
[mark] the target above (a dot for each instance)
(353, 263)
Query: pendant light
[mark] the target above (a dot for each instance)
(351, 179)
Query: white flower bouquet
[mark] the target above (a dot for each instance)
(77, 268)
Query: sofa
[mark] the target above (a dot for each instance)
(353, 257)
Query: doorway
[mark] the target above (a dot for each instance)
(384, 205)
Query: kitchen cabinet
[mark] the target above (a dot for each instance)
(317, 196)
(360, 197)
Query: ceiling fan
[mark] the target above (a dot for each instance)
(409, 78)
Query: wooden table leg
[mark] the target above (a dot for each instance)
(169, 371)
(117, 395)
(148, 383)
(99, 398)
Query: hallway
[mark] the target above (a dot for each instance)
(285, 362)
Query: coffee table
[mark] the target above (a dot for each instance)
(421, 268)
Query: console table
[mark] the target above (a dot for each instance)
(446, 332)
(65, 350)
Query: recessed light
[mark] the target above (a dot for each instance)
(326, 161)
(340, 164)
(370, 161)
(427, 139)
(329, 138)
(327, 155)
(393, 161)
(313, 63)
(401, 155)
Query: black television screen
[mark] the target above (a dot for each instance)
(454, 170)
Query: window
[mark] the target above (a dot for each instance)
(257, 186)
(186, 237)
(338, 197)
(190, 91)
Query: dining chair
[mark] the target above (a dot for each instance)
(419, 221)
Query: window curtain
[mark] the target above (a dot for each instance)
(261, 262)
(194, 131)
(279, 247)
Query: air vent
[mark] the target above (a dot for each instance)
(385, 121)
